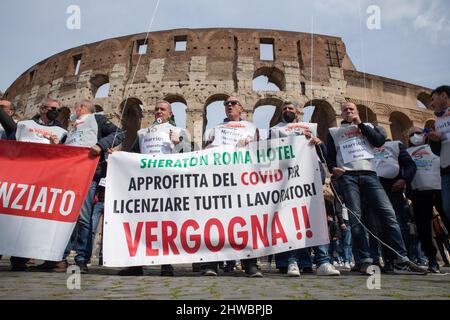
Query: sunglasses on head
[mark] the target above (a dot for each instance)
(231, 102)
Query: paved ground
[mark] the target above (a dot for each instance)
(104, 283)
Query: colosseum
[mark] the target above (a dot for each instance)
(202, 66)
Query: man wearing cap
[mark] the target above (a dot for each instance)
(290, 125)
(162, 137)
(237, 132)
(425, 192)
(440, 139)
(350, 159)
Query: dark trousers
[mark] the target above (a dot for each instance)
(423, 203)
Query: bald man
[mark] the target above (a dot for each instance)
(351, 161)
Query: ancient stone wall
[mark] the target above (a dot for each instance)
(313, 70)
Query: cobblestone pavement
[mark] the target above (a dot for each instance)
(104, 283)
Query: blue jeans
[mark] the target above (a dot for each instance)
(445, 180)
(346, 241)
(84, 226)
(333, 251)
(97, 212)
(365, 188)
(303, 257)
(374, 245)
(417, 255)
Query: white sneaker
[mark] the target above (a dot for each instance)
(347, 266)
(293, 270)
(335, 263)
(327, 269)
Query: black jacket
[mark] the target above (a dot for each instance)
(109, 136)
(375, 137)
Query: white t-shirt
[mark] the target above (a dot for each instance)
(284, 129)
(443, 128)
(428, 175)
(31, 131)
(386, 160)
(156, 139)
(84, 132)
(232, 133)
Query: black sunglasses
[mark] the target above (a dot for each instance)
(232, 102)
(50, 108)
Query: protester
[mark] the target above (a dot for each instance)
(395, 169)
(440, 140)
(43, 128)
(289, 261)
(241, 133)
(7, 111)
(96, 132)
(162, 137)
(425, 192)
(350, 159)
(441, 237)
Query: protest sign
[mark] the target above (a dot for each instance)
(218, 204)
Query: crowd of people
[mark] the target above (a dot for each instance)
(389, 205)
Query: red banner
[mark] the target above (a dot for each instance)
(43, 181)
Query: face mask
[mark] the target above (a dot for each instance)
(289, 116)
(417, 139)
(73, 117)
(52, 114)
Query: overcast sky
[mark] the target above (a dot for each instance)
(413, 44)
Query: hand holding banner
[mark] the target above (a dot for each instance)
(42, 189)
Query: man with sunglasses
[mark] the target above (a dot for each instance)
(238, 132)
(234, 130)
(43, 128)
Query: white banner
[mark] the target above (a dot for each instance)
(218, 204)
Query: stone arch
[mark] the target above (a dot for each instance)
(131, 120)
(367, 115)
(214, 102)
(423, 100)
(173, 98)
(273, 74)
(277, 105)
(430, 124)
(98, 81)
(400, 124)
(324, 115)
(179, 108)
(271, 101)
